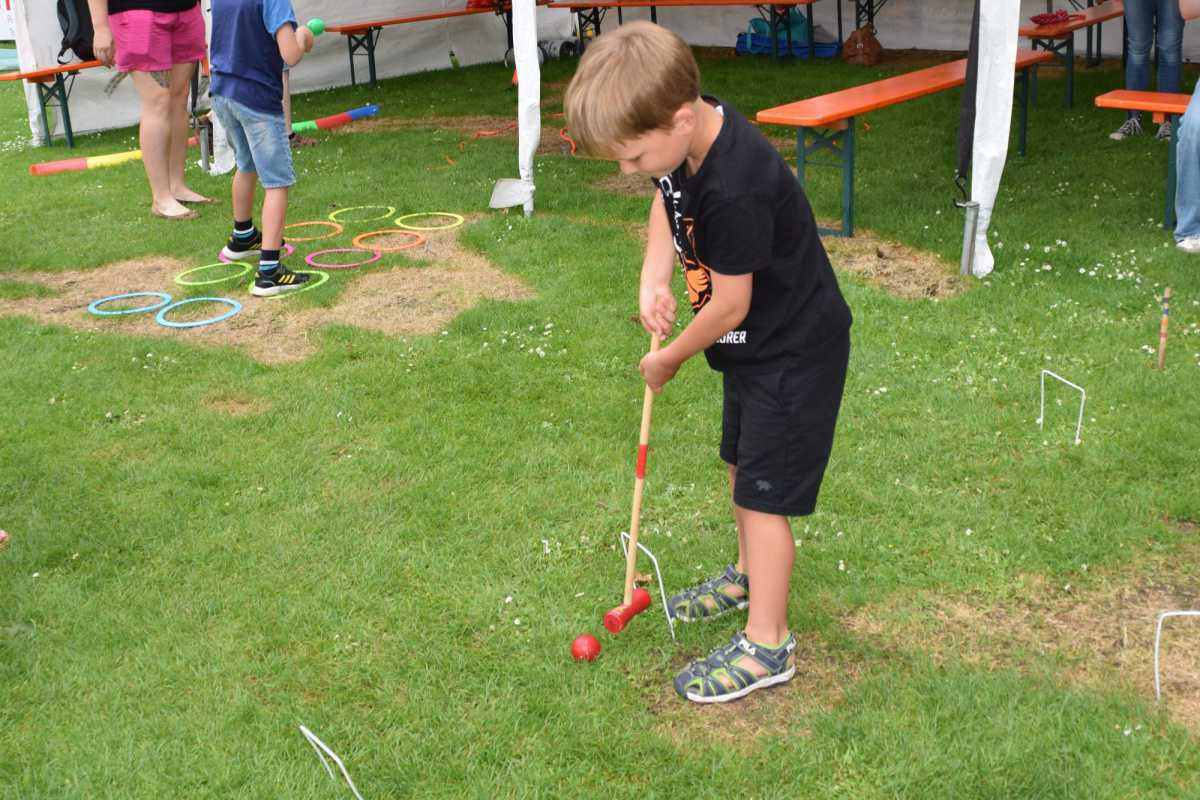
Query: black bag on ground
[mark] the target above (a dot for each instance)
(76, 21)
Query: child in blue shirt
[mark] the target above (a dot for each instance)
(252, 40)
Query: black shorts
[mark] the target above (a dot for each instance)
(777, 429)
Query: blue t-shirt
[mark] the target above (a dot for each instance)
(246, 65)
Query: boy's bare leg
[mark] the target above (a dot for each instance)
(154, 134)
(274, 213)
(741, 524)
(770, 553)
(179, 86)
(244, 184)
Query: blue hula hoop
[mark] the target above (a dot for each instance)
(94, 308)
(161, 317)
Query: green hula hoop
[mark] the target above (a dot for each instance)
(458, 220)
(245, 269)
(322, 277)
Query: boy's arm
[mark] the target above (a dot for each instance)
(656, 304)
(294, 41)
(102, 41)
(728, 306)
(1190, 9)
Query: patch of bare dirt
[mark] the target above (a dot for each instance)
(469, 129)
(1100, 636)
(896, 268)
(405, 299)
(236, 405)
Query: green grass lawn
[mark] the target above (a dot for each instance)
(397, 543)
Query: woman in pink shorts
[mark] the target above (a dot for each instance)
(159, 42)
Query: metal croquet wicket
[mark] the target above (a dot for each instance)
(320, 746)
(1158, 639)
(1041, 420)
(662, 592)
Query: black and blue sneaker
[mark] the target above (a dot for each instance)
(715, 597)
(277, 281)
(239, 248)
(737, 669)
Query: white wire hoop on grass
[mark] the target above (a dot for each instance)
(662, 593)
(320, 746)
(1158, 639)
(1041, 420)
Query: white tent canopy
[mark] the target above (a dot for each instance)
(403, 49)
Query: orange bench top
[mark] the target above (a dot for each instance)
(363, 27)
(816, 112)
(1101, 12)
(43, 75)
(1160, 104)
(577, 4)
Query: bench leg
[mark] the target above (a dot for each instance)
(1070, 99)
(840, 143)
(372, 37)
(1169, 214)
(1023, 89)
(59, 92)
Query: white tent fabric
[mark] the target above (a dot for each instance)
(402, 49)
(508, 192)
(932, 24)
(998, 23)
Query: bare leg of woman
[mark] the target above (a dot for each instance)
(155, 136)
(180, 87)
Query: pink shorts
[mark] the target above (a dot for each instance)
(150, 41)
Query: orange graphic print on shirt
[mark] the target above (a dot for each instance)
(698, 276)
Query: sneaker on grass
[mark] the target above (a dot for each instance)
(1189, 244)
(715, 597)
(1164, 132)
(1132, 126)
(279, 280)
(736, 670)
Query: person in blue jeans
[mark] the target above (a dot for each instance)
(1158, 23)
(1187, 162)
(251, 42)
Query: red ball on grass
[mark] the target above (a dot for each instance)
(585, 647)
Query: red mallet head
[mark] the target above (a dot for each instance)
(616, 620)
(585, 647)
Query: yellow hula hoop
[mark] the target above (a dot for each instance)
(337, 228)
(458, 220)
(333, 216)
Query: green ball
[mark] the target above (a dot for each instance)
(317, 26)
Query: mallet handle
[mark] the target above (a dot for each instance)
(638, 484)
(1162, 328)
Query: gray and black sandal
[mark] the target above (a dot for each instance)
(729, 591)
(727, 673)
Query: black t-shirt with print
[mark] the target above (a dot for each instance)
(744, 212)
(161, 6)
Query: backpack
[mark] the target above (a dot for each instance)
(862, 47)
(75, 19)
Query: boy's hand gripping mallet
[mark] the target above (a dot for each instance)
(636, 601)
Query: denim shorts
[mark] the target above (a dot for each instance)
(259, 141)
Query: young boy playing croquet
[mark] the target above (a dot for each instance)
(251, 41)
(768, 315)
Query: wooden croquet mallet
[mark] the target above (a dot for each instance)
(1162, 328)
(635, 601)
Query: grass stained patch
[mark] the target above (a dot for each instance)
(405, 298)
(1096, 631)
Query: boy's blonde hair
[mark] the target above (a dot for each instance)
(629, 82)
